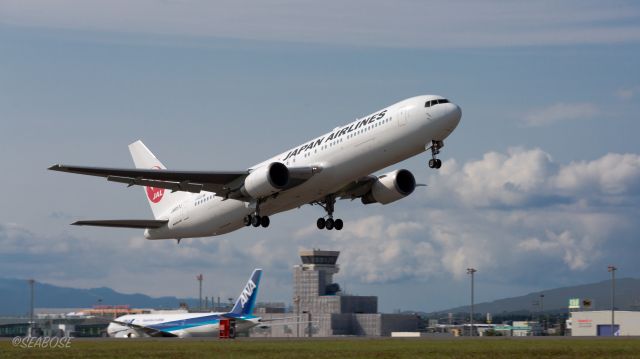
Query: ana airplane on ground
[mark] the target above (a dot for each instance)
(336, 165)
(191, 324)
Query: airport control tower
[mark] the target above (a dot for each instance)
(324, 310)
(314, 277)
(318, 299)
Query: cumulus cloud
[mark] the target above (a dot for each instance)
(560, 112)
(511, 215)
(521, 178)
(625, 94)
(160, 267)
(508, 179)
(575, 253)
(612, 175)
(503, 214)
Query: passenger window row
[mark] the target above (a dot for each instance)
(201, 201)
(354, 134)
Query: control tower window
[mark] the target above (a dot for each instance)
(317, 259)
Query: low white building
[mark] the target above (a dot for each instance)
(598, 323)
(525, 329)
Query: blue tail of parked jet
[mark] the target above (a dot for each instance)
(247, 299)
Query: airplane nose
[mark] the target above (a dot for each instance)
(110, 329)
(454, 115)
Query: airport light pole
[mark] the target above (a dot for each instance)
(297, 301)
(32, 282)
(542, 316)
(613, 269)
(199, 277)
(471, 271)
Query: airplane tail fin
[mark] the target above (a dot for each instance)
(160, 200)
(247, 299)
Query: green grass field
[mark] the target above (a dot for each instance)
(338, 348)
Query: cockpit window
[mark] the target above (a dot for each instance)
(435, 102)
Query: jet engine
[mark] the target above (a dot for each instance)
(266, 180)
(390, 187)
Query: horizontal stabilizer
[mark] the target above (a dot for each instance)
(124, 223)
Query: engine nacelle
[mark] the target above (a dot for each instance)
(266, 180)
(391, 187)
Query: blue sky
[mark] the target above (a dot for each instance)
(539, 188)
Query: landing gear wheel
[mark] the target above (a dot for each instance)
(435, 147)
(329, 224)
(247, 220)
(320, 223)
(264, 221)
(338, 224)
(256, 221)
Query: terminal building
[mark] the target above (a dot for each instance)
(322, 309)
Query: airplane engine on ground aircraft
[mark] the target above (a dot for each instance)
(391, 187)
(266, 180)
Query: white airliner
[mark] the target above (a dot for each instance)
(336, 165)
(191, 324)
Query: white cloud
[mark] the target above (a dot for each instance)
(360, 22)
(613, 174)
(500, 178)
(523, 178)
(511, 215)
(576, 253)
(560, 112)
(502, 214)
(625, 94)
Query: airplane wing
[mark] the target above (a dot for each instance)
(224, 184)
(189, 181)
(123, 223)
(357, 188)
(361, 187)
(149, 331)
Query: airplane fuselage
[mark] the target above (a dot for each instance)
(347, 153)
(178, 324)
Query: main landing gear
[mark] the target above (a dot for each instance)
(256, 219)
(435, 150)
(327, 221)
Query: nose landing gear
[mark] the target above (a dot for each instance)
(435, 150)
(329, 223)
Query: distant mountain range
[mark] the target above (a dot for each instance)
(556, 300)
(15, 298)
